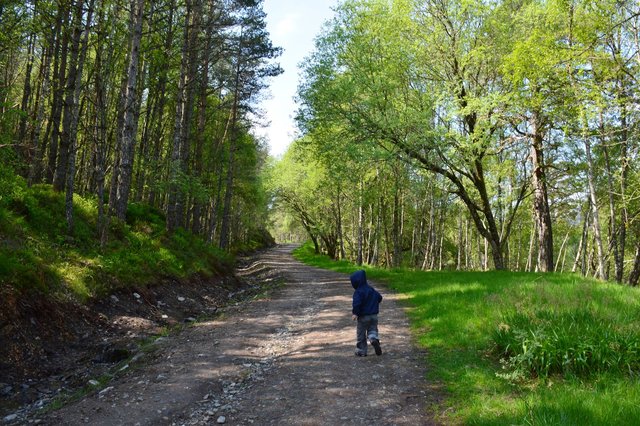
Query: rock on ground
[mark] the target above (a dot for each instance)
(287, 359)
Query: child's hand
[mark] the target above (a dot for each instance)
(354, 317)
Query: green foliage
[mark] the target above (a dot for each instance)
(43, 211)
(141, 215)
(36, 254)
(257, 239)
(26, 270)
(576, 343)
(463, 89)
(456, 316)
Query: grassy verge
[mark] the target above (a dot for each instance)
(522, 348)
(37, 254)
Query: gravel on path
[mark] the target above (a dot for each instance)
(286, 359)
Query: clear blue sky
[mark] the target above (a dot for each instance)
(293, 25)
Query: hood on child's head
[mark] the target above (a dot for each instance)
(358, 278)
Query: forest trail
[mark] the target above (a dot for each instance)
(285, 360)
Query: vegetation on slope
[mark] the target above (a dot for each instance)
(522, 348)
(36, 253)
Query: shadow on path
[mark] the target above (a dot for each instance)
(285, 360)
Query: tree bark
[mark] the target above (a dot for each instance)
(343, 254)
(388, 244)
(614, 234)
(228, 194)
(460, 244)
(130, 112)
(62, 165)
(184, 110)
(562, 250)
(26, 94)
(100, 132)
(624, 175)
(198, 223)
(360, 229)
(529, 267)
(580, 253)
(635, 271)
(397, 236)
(35, 172)
(71, 126)
(600, 272)
(430, 234)
(541, 211)
(160, 106)
(467, 250)
(59, 75)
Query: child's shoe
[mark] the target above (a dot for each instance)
(358, 353)
(376, 345)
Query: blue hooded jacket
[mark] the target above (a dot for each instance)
(365, 298)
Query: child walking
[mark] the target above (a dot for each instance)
(366, 301)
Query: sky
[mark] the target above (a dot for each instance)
(293, 25)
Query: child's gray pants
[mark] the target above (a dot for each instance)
(367, 328)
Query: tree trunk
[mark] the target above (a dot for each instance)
(130, 112)
(184, 197)
(387, 237)
(184, 110)
(370, 235)
(71, 125)
(26, 94)
(35, 173)
(441, 233)
(486, 255)
(360, 229)
(142, 157)
(100, 144)
(489, 231)
(624, 174)
(614, 234)
(377, 234)
(160, 106)
(215, 205)
(467, 249)
(540, 199)
(226, 211)
(518, 249)
(343, 255)
(396, 227)
(600, 272)
(583, 238)
(198, 169)
(635, 271)
(60, 68)
(430, 233)
(460, 244)
(564, 258)
(415, 233)
(529, 267)
(62, 165)
(562, 250)
(228, 193)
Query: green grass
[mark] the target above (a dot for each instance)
(37, 254)
(522, 348)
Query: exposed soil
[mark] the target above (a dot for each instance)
(53, 348)
(284, 359)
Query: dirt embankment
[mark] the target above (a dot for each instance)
(52, 348)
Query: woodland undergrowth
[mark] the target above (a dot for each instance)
(38, 254)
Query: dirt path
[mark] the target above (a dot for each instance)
(284, 360)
